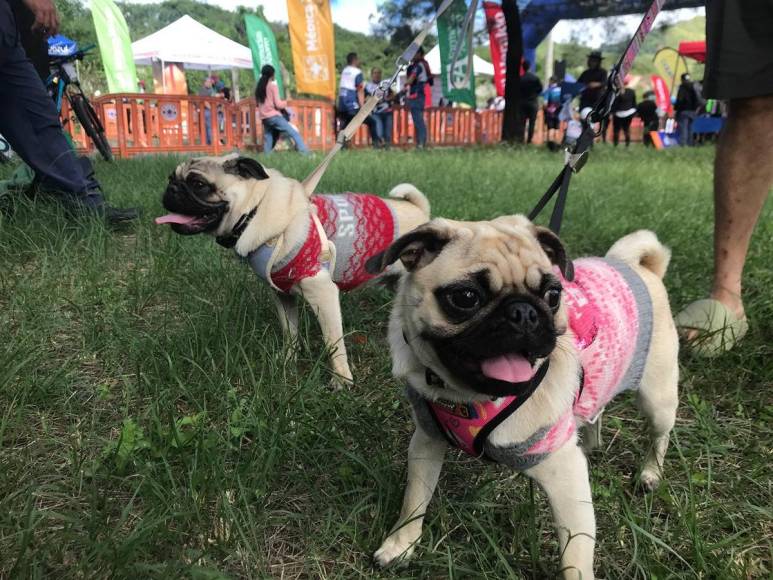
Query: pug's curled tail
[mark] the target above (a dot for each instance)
(642, 248)
(409, 193)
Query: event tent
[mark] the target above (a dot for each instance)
(693, 49)
(480, 66)
(189, 42)
(538, 17)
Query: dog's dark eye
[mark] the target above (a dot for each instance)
(198, 183)
(553, 298)
(464, 299)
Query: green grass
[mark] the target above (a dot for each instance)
(150, 428)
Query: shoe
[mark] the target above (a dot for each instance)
(718, 330)
(120, 215)
(93, 203)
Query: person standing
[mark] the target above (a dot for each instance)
(351, 89)
(623, 109)
(382, 115)
(531, 89)
(351, 93)
(595, 79)
(418, 77)
(739, 68)
(686, 108)
(551, 110)
(30, 123)
(271, 110)
(207, 90)
(647, 111)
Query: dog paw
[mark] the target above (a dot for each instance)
(393, 551)
(649, 480)
(338, 383)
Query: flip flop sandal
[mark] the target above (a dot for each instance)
(718, 328)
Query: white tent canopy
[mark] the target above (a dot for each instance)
(193, 44)
(480, 66)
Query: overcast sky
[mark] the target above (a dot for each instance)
(356, 15)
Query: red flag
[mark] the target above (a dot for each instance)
(662, 94)
(497, 30)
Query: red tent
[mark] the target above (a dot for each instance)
(693, 49)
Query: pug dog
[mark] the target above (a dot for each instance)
(508, 347)
(302, 245)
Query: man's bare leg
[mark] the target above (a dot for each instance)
(743, 176)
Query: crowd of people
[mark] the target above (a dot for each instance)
(566, 103)
(563, 104)
(353, 90)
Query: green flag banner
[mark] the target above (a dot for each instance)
(458, 78)
(263, 47)
(114, 46)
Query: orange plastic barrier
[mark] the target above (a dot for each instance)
(148, 123)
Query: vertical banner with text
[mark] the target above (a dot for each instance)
(264, 49)
(671, 66)
(456, 54)
(662, 94)
(497, 30)
(311, 39)
(114, 46)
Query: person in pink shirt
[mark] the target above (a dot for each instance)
(271, 110)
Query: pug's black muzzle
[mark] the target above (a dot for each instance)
(180, 198)
(507, 330)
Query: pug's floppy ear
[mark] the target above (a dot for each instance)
(245, 167)
(415, 249)
(552, 246)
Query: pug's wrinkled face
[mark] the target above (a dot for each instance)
(202, 191)
(483, 298)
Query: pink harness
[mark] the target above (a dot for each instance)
(358, 225)
(610, 317)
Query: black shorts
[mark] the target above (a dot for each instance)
(739, 49)
(552, 121)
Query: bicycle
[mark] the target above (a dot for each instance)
(63, 83)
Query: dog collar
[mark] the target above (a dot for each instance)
(229, 240)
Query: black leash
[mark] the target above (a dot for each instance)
(577, 156)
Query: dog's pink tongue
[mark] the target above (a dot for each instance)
(175, 218)
(511, 368)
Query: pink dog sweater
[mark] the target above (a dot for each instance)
(359, 225)
(610, 315)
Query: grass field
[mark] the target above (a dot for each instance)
(150, 428)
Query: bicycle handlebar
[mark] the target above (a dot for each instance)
(78, 55)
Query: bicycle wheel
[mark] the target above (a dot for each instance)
(90, 123)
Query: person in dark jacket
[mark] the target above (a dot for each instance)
(686, 108)
(647, 111)
(623, 112)
(531, 89)
(595, 79)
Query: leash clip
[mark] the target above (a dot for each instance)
(576, 161)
